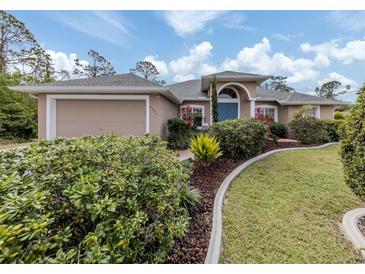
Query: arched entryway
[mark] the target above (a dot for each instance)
(228, 104)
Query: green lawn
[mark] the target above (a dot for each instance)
(287, 209)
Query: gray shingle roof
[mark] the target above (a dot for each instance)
(121, 80)
(287, 98)
(188, 89)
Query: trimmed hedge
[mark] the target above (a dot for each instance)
(179, 133)
(352, 146)
(278, 129)
(309, 130)
(331, 127)
(239, 139)
(105, 199)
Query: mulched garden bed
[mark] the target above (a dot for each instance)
(361, 225)
(194, 246)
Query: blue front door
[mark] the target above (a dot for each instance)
(227, 111)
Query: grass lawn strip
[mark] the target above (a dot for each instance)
(286, 209)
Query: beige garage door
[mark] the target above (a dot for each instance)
(96, 117)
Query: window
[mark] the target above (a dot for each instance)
(314, 112)
(271, 111)
(227, 93)
(197, 110)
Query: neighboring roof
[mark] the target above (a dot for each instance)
(188, 90)
(120, 80)
(293, 98)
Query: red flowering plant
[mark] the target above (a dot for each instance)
(187, 115)
(267, 120)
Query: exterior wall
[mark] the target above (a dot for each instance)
(327, 112)
(206, 105)
(283, 115)
(42, 113)
(161, 109)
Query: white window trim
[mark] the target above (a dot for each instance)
(318, 111)
(51, 111)
(196, 106)
(276, 109)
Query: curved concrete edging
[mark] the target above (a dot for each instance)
(215, 241)
(352, 231)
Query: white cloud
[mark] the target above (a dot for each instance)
(159, 64)
(258, 59)
(286, 37)
(237, 21)
(186, 23)
(182, 78)
(193, 63)
(348, 20)
(322, 60)
(334, 76)
(350, 52)
(105, 25)
(62, 61)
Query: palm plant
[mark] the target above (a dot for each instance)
(205, 148)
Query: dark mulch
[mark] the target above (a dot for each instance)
(193, 247)
(361, 224)
(270, 145)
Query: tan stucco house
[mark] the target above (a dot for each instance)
(131, 105)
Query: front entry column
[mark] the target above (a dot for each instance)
(252, 108)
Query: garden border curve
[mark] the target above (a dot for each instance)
(351, 230)
(215, 241)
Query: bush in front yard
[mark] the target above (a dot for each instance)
(239, 139)
(309, 130)
(205, 148)
(332, 126)
(352, 144)
(105, 199)
(278, 129)
(180, 133)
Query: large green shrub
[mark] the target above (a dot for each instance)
(18, 111)
(278, 129)
(105, 199)
(309, 130)
(331, 127)
(338, 115)
(239, 138)
(352, 144)
(179, 133)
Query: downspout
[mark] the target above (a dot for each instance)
(33, 96)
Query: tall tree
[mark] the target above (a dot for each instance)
(99, 66)
(149, 71)
(18, 111)
(278, 83)
(20, 51)
(332, 89)
(214, 100)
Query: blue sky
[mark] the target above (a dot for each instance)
(309, 47)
